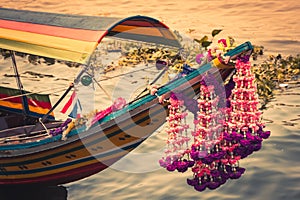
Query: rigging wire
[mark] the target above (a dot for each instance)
(63, 88)
(124, 74)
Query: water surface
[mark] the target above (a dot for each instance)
(272, 173)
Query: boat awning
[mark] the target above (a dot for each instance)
(74, 37)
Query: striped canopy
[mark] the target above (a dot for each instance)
(74, 37)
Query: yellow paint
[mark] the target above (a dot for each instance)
(216, 63)
(48, 41)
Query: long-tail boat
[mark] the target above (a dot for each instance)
(30, 152)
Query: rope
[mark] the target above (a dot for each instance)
(41, 122)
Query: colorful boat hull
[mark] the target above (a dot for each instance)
(89, 152)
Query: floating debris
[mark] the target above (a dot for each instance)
(146, 55)
(38, 75)
(275, 73)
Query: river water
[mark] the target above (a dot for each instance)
(272, 173)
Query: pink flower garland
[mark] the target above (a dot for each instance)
(177, 142)
(244, 114)
(118, 104)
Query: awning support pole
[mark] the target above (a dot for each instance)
(20, 85)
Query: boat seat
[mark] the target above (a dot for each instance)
(10, 121)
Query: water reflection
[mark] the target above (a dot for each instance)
(33, 193)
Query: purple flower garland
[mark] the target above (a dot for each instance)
(223, 134)
(59, 130)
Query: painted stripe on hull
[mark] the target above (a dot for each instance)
(75, 172)
(59, 178)
(63, 177)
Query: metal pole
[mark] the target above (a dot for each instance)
(19, 83)
(57, 103)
